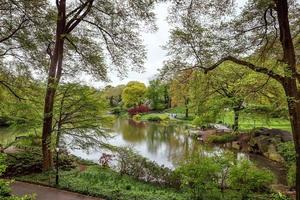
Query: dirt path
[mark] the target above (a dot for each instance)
(47, 193)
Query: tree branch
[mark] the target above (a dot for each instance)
(247, 64)
(13, 32)
(77, 19)
(11, 90)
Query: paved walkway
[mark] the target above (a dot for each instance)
(47, 193)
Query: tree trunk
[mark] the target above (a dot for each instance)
(54, 75)
(236, 119)
(290, 81)
(187, 108)
(294, 114)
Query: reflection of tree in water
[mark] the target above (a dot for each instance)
(157, 136)
(171, 141)
(131, 131)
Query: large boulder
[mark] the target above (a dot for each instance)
(264, 141)
(284, 136)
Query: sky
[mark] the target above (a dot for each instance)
(155, 53)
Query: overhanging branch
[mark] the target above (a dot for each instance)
(249, 65)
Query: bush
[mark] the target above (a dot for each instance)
(221, 139)
(154, 118)
(287, 151)
(138, 109)
(246, 178)
(27, 162)
(132, 164)
(200, 178)
(4, 185)
(204, 120)
(137, 117)
(292, 176)
(222, 176)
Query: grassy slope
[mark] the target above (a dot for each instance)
(105, 183)
(246, 121)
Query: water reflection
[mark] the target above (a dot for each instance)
(165, 144)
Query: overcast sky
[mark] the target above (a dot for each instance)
(155, 53)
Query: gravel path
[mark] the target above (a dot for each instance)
(47, 193)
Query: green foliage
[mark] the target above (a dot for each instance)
(292, 176)
(246, 178)
(137, 117)
(223, 177)
(279, 196)
(30, 161)
(81, 111)
(287, 151)
(4, 184)
(134, 94)
(140, 168)
(155, 117)
(205, 119)
(200, 178)
(158, 94)
(221, 139)
(110, 185)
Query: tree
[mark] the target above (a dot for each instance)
(263, 37)
(134, 94)
(238, 87)
(115, 23)
(80, 112)
(114, 94)
(179, 90)
(157, 93)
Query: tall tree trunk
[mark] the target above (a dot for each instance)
(290, 81)
(294, 114)
(54, 75)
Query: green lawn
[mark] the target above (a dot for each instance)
(247, 121)
(108, 184)
(253, 121)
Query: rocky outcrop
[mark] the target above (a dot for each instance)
(263, 141)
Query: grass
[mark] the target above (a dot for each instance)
(106, 183)
(155, 117)
(247, 121)
(253, 121)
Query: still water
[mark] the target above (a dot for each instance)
(167, 145)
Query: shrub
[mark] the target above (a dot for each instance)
(138, 109)
(204, 120)
(221, 139)
(132, 164)
(137, 117)
(154, 118)
(31, 162)
(287, 151)
(4, 185)
(200, 178)
(279, 196)
(246, 178)
(292, 176)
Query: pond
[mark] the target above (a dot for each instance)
(166, 144)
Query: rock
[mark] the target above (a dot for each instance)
(236, 145)
(284, 136)
(263, 141)
(272, 154)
